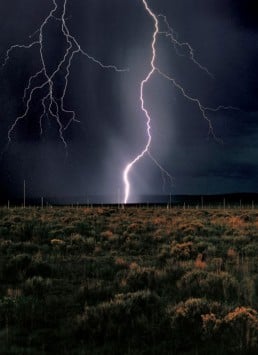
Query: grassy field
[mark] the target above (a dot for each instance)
(128, 281)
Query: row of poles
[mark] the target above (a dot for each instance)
(169, 205)
(24, 197)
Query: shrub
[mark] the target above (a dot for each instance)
(140, 278)
(200, 263)
(93, 292)
(77, 239)
(37, 286)
(183, 251)
(57, 242)
(16, 267)
(240, 328)
(39, 268)
(186, 321)
(198, 283)
(25, 230)
(107, 235)
(138, 315)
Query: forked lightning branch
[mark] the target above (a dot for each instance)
(43, 82)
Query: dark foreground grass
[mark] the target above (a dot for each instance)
(128, 281)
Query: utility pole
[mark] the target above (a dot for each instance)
(42, 202)
(24, 194)
(118, 197)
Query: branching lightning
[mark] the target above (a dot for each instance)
(43, 82)
(172, 35)
(169, 33)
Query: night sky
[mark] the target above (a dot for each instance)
(224, 35)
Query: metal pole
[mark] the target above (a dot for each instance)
(24, 194)
(118, 197)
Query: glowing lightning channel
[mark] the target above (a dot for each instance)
(44, 82)
(148, 118)
(153, 68)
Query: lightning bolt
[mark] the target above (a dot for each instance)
(172, 35)
(169, 33)
(44, 82)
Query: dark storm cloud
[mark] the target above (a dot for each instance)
(245, 13)
(225, 37)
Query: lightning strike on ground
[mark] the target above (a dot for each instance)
(171, 34)
(44, 82)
